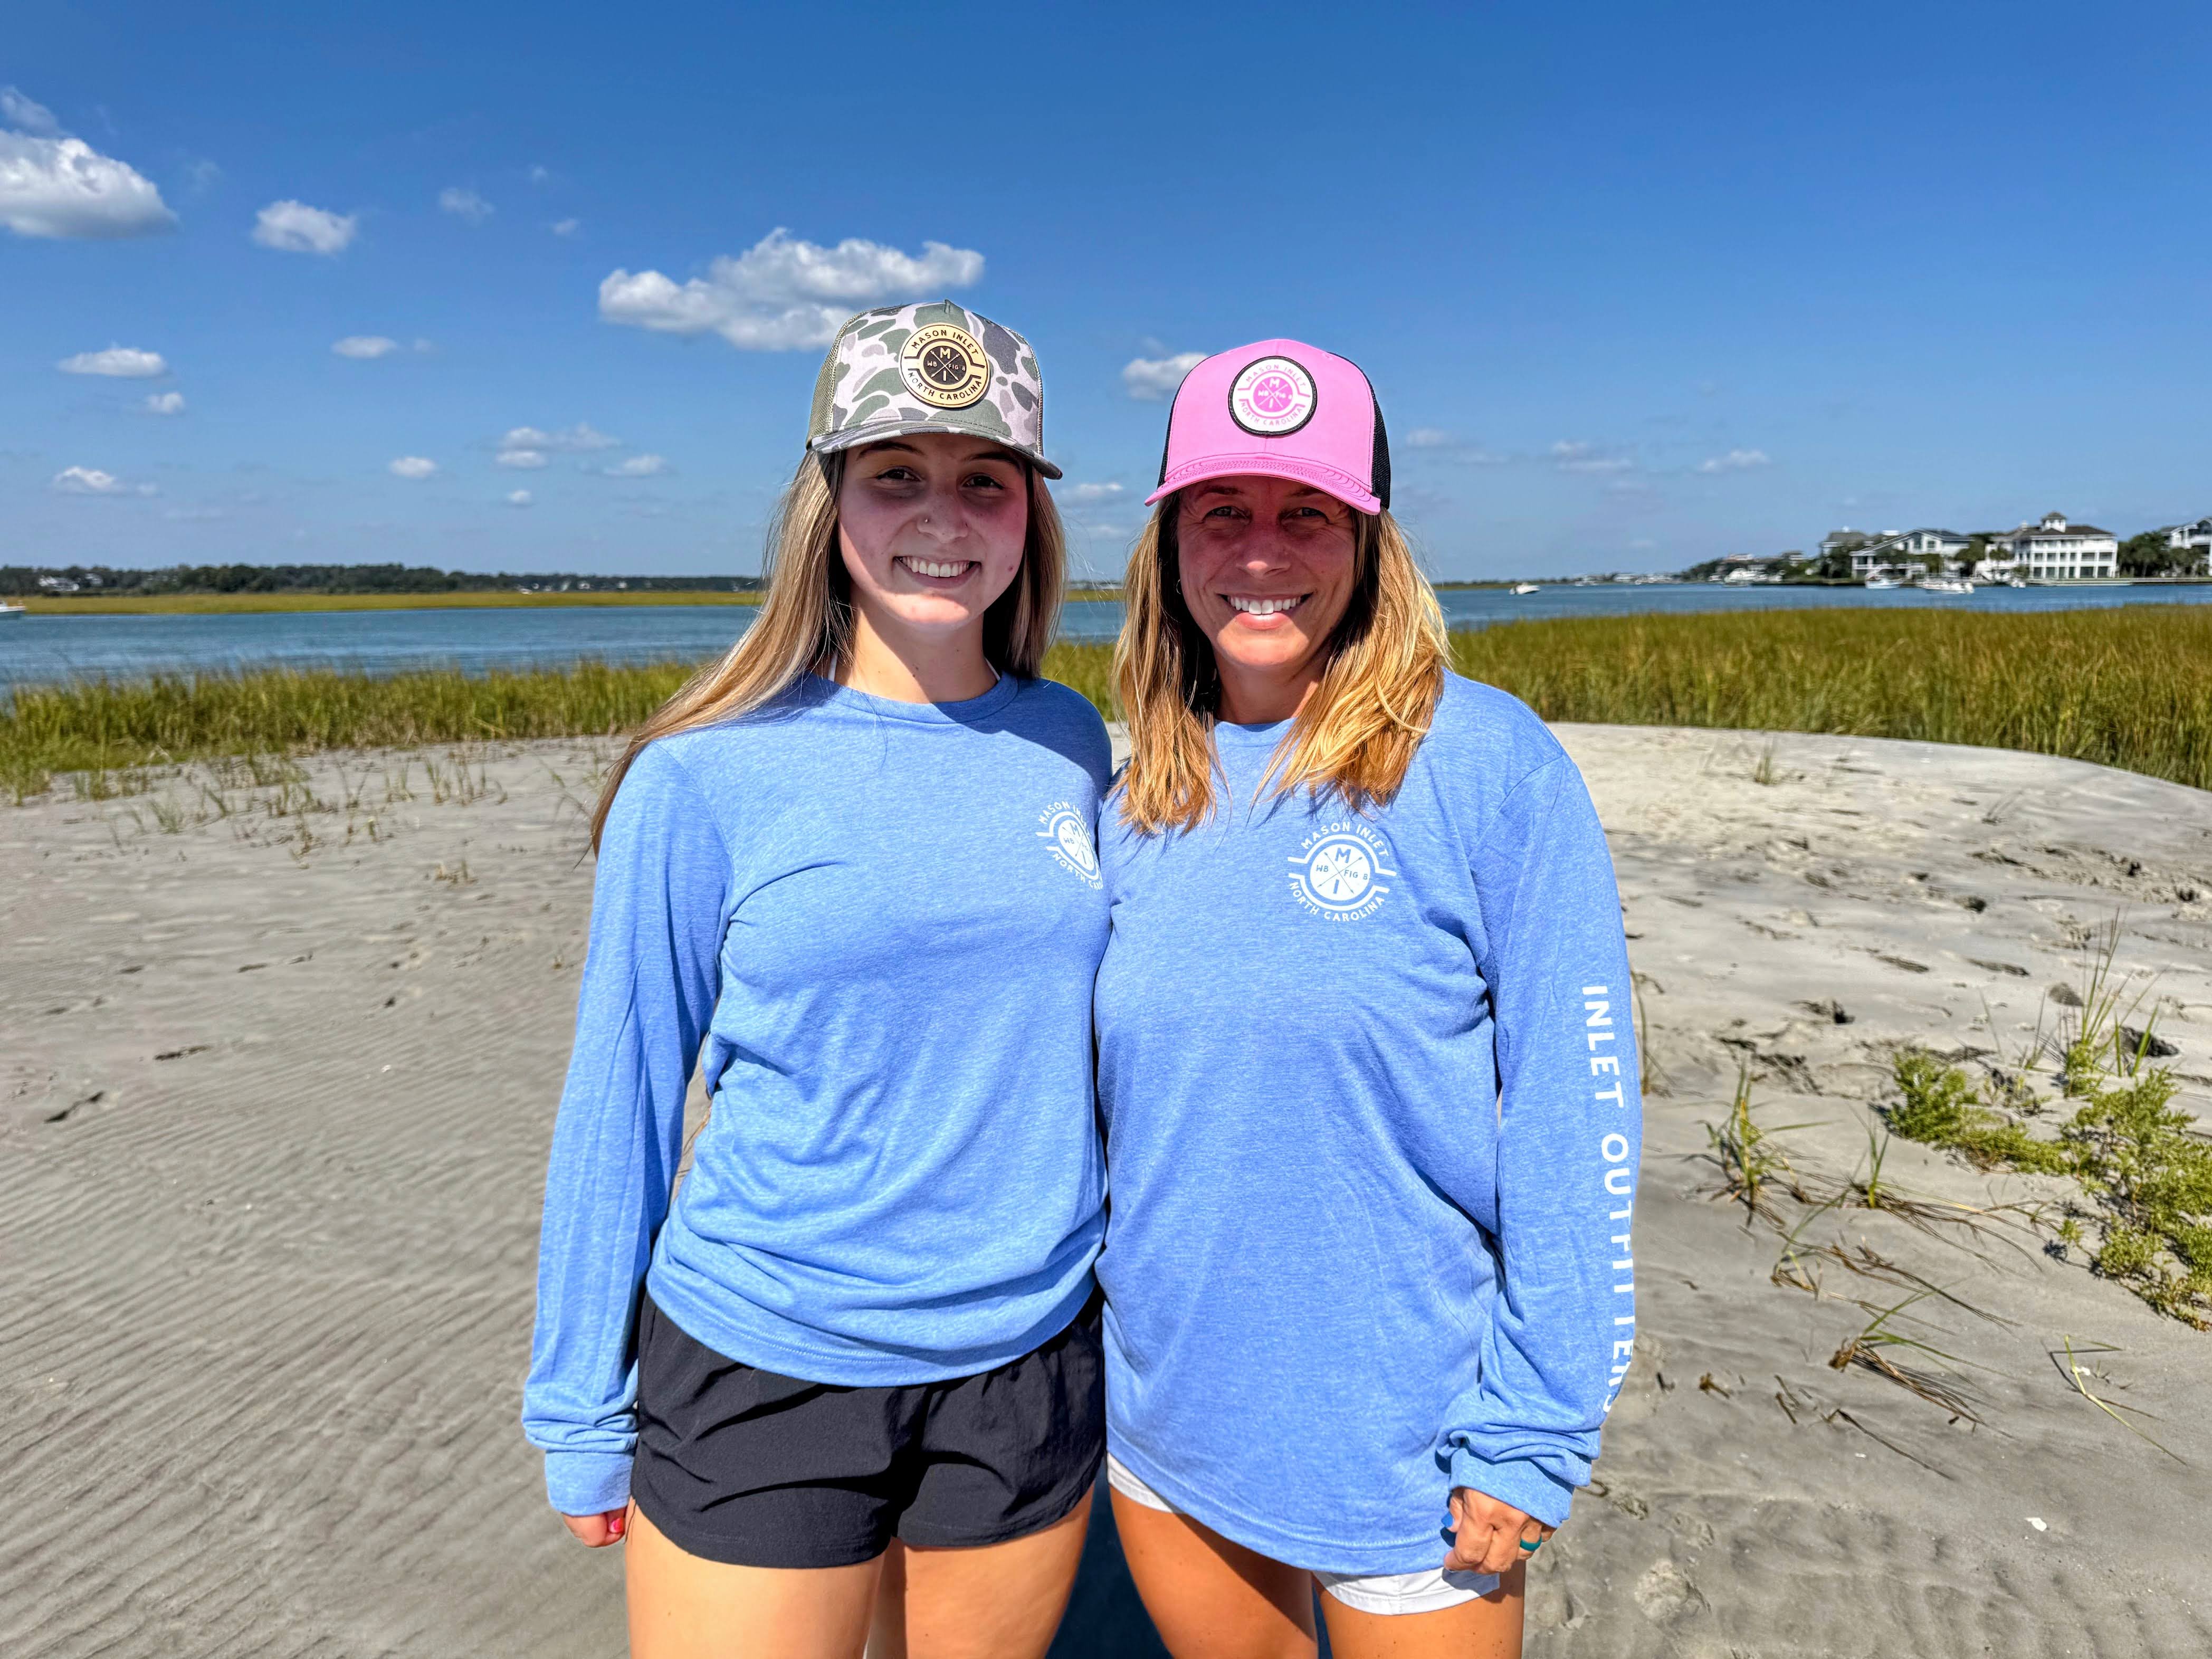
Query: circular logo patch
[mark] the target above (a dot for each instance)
(1272, 396)
(944, 366)
(1066, 837)
(1341, 872)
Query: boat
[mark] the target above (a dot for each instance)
(7, 610)
(1524, 587)
(1947, 585)
(1881, 581)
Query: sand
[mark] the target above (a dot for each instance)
(273, 1114)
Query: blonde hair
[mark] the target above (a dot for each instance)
(806, 621)
(1356, 732)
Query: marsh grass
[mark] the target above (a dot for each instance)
(105, 732)
(2128, 687)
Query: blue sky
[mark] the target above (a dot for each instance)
(1638, 284)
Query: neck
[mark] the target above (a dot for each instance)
(909, 668)
(1261, 699)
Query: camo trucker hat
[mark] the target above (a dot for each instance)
(1284, 409)
(934, 367)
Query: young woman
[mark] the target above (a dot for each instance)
(855, 858)
(1365, 1061)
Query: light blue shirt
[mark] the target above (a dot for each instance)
(1369, 1088)
(884, 921)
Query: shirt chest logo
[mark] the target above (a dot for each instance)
(1067, 837)
(1342, 871)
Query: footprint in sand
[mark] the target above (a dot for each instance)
(1666, 1596)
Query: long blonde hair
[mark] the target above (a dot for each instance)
(1354, 736)
(805, 622)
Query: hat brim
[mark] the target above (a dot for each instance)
(1341, 484)
(876, 431)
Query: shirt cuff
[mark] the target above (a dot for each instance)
(1521, 1484)
(587, 1482)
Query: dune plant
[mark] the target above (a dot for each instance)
(2140, 1161)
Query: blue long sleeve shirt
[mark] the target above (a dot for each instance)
(882, 921)
(1369, 1089)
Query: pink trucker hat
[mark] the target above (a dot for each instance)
(1283, 409)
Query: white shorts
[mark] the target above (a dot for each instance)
(1381, 1592)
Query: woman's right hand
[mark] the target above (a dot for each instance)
(598, 1531)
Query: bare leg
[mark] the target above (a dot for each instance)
(995, 1601)
(1212, 1599)
(684, 1608)
(1486, 1629)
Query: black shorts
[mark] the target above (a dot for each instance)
(739, 1465)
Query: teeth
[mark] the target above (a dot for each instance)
(1264, 607)
(934, 568)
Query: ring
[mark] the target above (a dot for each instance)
(1531, 1548)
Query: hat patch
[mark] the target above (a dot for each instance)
(944, 366)
(1272, 396)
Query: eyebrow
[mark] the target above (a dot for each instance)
(993, 453)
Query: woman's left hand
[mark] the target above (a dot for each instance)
(1488, 1536)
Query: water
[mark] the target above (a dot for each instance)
(42, 650)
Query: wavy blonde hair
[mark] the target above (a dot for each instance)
(805, 620)
(1354, 736)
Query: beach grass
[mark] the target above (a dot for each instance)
(2130, 687)
(210, 604)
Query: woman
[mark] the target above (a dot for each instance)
(855, 857)
(1364, 1064)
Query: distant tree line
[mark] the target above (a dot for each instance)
(2151, 555)
(92, 581)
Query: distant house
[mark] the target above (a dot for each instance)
(1846, 540)
(2195, 537)
(1902, 549)
(2056, 550)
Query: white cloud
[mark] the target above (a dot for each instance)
(295, 228)
(566, 227)
(1151, 378)
(518, 498)
(365, 346)
(164, 403)
(1587, 457)
(463, 204)
(578, 440)
(54, 186)
(638, 466)
(521, 459)
(540, 174)
(413, 466)
(1090, 492)
(195, 515)
(124, 363)
(28, 114)
(1736, 460)
(1430, 437)
(91, 481)
(783, 295)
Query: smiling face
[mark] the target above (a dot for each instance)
(931, 528)
(1267, 568)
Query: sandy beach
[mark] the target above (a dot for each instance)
(279, 1068)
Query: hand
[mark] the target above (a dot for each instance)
(1487, 1534)
(598, 1531)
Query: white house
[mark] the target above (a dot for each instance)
(1904, 549)
(2056, 551)
(2195, 537)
